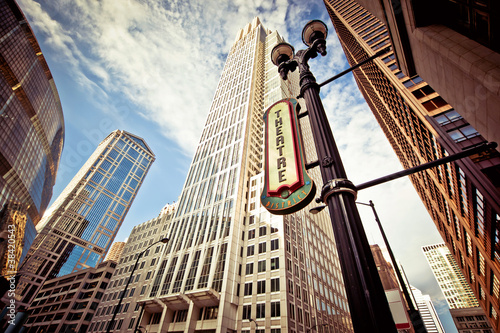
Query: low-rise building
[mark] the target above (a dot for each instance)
(68, 303)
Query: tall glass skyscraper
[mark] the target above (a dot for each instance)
(462, 197)
(31, 132)
(230, 265)
(80, 226)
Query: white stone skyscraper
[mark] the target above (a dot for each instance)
(231, 266)
(427, 312)
(78, 229)
(450, 279)
(464, 307)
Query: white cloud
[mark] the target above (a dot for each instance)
(163, 57)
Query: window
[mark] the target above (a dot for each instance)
(250, 250)
(155, 318)
(248, 288)
(261, 287)
(434, 103)
(422, 92)
(251, 234)
(413, 81)
(299, 315)
(261, 310)
(275, 309)
(274, 244)
(275, 284)
(262, 247)
(148, 275)
(275, 263)
(143, 290)
(261, 266)
(463, 133)
(249, 268)
(262, 231)
(388, 58)
(209, 313)
(247, 311)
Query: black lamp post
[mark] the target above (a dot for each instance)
(415, 317)
(368, 304)
(117, 307)
(256, 325)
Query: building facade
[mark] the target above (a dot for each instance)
(462, 197)
(385, 269)
(115, 251)
(31, 132)
(80, 226)
(428, 312)
(450, 279)
(231, 266)
(68, 303)
(132, 311)
(464, 307)
(471, 320)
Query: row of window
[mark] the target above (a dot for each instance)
(261, 287)
(260, 310)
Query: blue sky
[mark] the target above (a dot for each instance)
(152, 67)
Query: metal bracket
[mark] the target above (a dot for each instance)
(340, 185)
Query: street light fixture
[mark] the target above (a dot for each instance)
(117, 307)
(253, 320)
(367, 302)
(413, 312)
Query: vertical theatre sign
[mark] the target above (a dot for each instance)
(287, 186)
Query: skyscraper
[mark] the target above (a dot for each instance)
(457, 292)
(31, 132)
(462, 197)
(115, 251)
(79, 228)
(427, 311)
(230, 265)
(450, 279)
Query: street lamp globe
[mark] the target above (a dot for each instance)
(314, 30)
(281, 52)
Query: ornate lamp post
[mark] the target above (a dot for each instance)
(117, 307)
(367, 301)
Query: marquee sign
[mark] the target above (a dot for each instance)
(287, 186)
